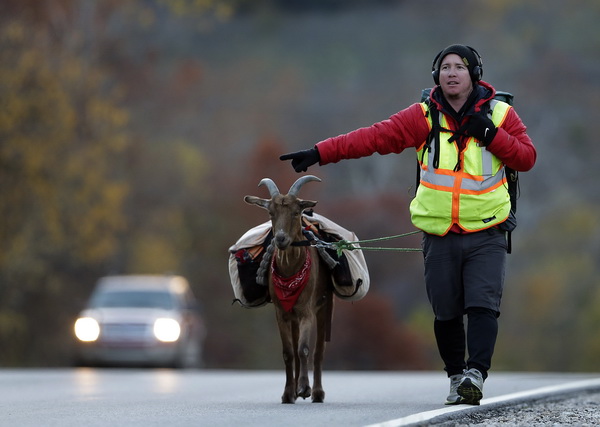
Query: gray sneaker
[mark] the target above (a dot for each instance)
(454, 398)
(470, 388)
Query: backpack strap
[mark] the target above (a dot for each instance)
(431, 110)
(434, 134)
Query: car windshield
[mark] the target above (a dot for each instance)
(136, 299)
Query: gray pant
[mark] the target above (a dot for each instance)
(463, 271)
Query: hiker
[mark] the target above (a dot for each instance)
(462, 203)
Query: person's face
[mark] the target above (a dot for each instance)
(455, 79)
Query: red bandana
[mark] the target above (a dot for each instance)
(288, 289)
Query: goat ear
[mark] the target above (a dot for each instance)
(252, 200)
(305, 204)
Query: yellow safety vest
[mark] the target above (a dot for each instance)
(473, 195)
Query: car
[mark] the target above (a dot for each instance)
(140, 320)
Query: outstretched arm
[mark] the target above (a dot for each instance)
(407, 128)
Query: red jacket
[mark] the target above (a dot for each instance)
(409, 128)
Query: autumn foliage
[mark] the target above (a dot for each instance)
(130, 132)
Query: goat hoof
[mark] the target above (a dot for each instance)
(318, 396)
(287, 398)
(304, 392)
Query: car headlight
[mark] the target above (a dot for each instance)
(167, 330)
(87, 329)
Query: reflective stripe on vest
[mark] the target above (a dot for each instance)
(474, 196)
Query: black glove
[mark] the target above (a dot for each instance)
(301, 160)
(482, 128)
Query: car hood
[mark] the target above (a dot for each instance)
(128, 314)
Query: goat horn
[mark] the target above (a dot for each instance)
(300, 182)
(267, 182)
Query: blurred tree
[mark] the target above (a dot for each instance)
(168, 199)
(61, 204)
(224, 9)
(367, 335)
(550, 309)
(588, 333)
(209, 110)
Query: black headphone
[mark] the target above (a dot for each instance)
(476, 72)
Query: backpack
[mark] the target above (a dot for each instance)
(512, 176)
(250, 256)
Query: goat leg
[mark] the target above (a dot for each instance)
(295, 338)
(323, 318)
(303, 382)
(289, 391)
(285, 331)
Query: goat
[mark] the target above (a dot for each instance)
(297, 321)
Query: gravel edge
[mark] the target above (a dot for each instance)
(578, 407)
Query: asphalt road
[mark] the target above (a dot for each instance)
(137, 397)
